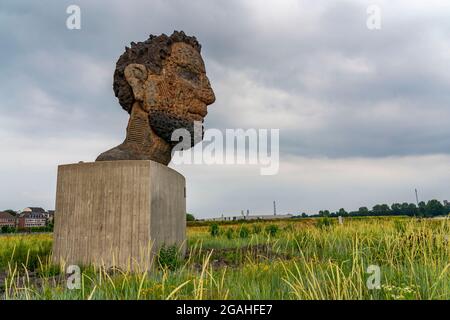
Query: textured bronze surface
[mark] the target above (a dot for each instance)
(162, 84)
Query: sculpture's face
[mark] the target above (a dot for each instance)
(179, 95)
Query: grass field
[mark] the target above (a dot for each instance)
(299, 259)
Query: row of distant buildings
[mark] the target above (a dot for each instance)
(251, 217)
(28, 218)
(248, 216)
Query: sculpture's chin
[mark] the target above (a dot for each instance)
(196, 117)
(170, 128)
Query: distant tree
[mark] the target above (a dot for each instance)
(50, 226)
(422, 209)
(11, 212)
(342, 212)
(396, 209)
(4, 229)
(381, 210)
(386, 209)
(304, 215)
(404, 207)
(434, 208)
(324, 213)
(190, 217)
(409, 209)
(363, 211)
(430, 209)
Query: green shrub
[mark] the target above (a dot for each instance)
(214, 230)
(257, 228)
(8, 229)
(324, 223)
(244, 232)
(229, 233)
(272, 230)
(168, 257)
(40, 229)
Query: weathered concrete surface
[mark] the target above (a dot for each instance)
(117, 213)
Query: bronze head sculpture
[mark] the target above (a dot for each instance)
(162, 84)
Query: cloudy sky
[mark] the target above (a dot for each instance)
(363, 114)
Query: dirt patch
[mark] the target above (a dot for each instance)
(235, 257)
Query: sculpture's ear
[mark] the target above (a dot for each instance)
(136, 74)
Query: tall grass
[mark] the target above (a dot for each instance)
(298, 261)
(24, 250)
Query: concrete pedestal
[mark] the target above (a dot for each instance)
(118, 213)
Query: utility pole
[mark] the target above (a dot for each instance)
(274, 208)
(417, 201)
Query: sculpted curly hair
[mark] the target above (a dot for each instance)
(150, 53)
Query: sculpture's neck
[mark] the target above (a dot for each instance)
(142, 139)
(138, 130)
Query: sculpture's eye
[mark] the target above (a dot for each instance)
(189, 75)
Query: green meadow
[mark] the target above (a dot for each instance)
(363, 258)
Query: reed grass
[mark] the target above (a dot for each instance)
(301, 260)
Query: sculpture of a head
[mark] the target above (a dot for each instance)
(166, 74)
(165, 78)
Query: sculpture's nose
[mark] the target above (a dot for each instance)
(207, 93)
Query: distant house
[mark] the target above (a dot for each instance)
(7, 219)
(32, 217)
(49, 215)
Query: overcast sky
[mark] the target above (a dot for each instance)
(363, 114)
